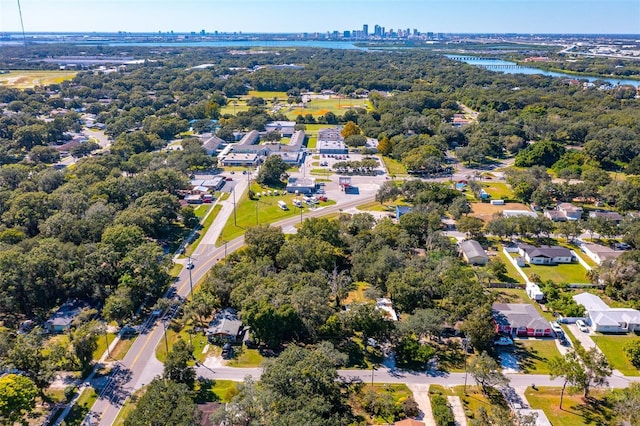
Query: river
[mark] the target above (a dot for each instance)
(514, 68)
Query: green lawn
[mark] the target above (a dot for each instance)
(268, 96)
(267, 209)
(575, 412)
(377, 207)
(128, 407)
(198, 340)
(102, 345)
(398, 392)
(511, 270)
(215, 391)
(205, 227)
(395, 167)
(245, 358)
(613, 348)
(23, 79)
(202, 210)
(81, 408)
(357, 294)
(176, 269)
(312, 142)
(534, 355)
(563, 273)
(510, 295)
(498, 190)
(472, 400)
(122, 347)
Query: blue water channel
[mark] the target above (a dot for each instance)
(514, 68)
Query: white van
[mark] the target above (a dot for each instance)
(283, 205)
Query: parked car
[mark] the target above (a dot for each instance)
(556, 328)
(503, 341)
(582, 326)
(189, 265)
(227, 351)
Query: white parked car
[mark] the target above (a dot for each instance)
(582, 326)
(556, 328)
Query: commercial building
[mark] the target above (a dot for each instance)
(240, 160)
(301, 185)
(285, 128)
(330, 141)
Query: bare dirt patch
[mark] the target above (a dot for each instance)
(486, 211)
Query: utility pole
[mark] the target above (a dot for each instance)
(465, 342)
(256, 212)
(106, 337)
(166, 342)
(300, 213)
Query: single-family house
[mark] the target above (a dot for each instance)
(604, 319)
(225, 325)
(62, 319)
(212, 145)
(546, 255)
(555, 215)
(612, 216)
(520, 319)
(473, 253)
(599, 253)
(570, 211)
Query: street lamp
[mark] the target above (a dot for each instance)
(166, 342)
(235, 223)
(301, 212)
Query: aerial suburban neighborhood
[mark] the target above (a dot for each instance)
(345, 228)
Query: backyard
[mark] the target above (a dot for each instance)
(498, 190)
(562, 273)
(534, 354)
(574, 412)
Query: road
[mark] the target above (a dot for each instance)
(140, 365)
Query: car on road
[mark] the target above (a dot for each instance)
(556, 328)
(228, 179)
(129, 330)
(189, 265)
(582, 326)
(503, 341)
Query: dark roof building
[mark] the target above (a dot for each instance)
(473, 252)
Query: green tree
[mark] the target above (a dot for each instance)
(271, 171)
(84, 341)
(479, 327)
(355, 141)
(165, 403)
(570, 369)
(17, 396)
(471, 225)
(176, 367)
(119, 306)
(385, 146)
(632, 351)
(486, 372)
(626, 404)
(264, 240)
(388, 191)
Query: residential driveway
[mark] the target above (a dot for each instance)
(584, 338)
(421, 396)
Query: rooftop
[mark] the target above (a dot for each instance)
(519, 315)
(472, 248)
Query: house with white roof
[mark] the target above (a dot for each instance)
(604, 319)
(546, 255)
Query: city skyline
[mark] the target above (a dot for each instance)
(287, 16)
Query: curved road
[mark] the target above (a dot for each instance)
(140, 365)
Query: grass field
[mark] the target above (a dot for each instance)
(28, 78)
(198, 340)
(398, 392)
(102, 345)
(534, 355)
(562, 273)
(613, 348)
(267, 211)
(575, 412)
(216, 390)
(357, 294)
(122, 347)
(510, 295)
(394, 167)
(472, 399)
(498, 190)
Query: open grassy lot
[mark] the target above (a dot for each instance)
(575, 412)
(498, 190)
(394, 167)
(534, 355)
(562, 273)
(245, 358)
(357, 295)
(261, 211)
(268, 96)
(613, 348)
(472, 400)
(199, 341)
(25, 79)
(122, 347)
(485, 211)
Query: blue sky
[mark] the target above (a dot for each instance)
(517, 16)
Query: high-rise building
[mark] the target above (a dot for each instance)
(377, 31)
(365, 30)
(346, 34)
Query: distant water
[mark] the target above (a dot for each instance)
(513, 68)
(246, 43)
